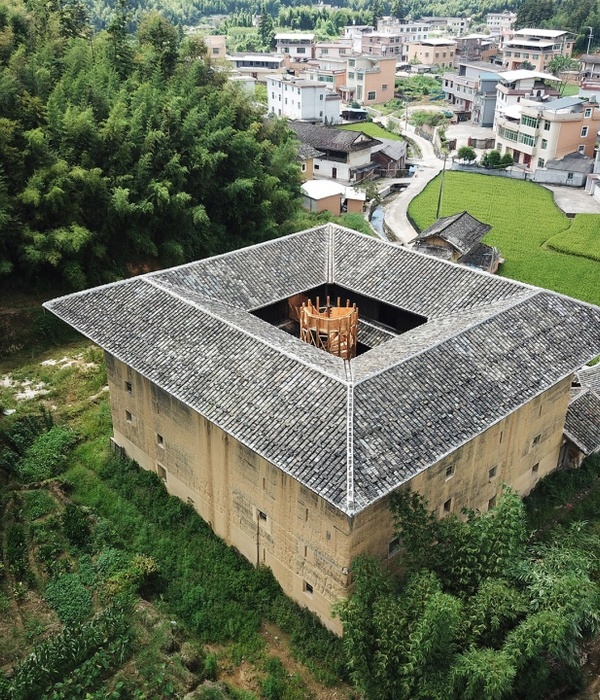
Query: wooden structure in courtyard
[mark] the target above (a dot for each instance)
(330, 328)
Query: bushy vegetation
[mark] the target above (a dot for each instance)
(480, 612)
(524, 218)
(417, 87)
(126, 152)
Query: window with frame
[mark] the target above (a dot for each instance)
(491, 502)
(581, 149)
(544, 144)
(584, 131)
(536, 440)
(308, 589)
(492, 472)
(262, 516)
(546, 125)
(569, 176)
(447, 507)
(161, 471)
(541, 163)
(588, 113)
(393, 546)
(129, 387)
(449, 472)
(160, 441)
(129, 416)
(371, 95)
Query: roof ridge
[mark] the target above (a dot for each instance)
(458, 330)
(349, 438)
(265, 341)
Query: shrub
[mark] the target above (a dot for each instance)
(466, 153)
(47, 456)
(70, 598)
(76, 526)
(38, 504)
(211, 667)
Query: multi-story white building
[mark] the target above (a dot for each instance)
(451, 25)
(409, 30)
(302, 100)
(517, 85)
(296, 45)
(257, 65)
(536, 47)
(501, 22)
(472, 90)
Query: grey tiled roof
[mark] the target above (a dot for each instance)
(589, 377)
(327, 138)
(583, 421)
(351, 432)
(462, 231)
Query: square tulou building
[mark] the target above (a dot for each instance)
(287, 389)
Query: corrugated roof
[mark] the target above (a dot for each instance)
(489, 345)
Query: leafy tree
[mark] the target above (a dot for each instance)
(477, 613)
(265, 30)
(559, 66)
(466, 153)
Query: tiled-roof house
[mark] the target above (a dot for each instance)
(458, 238)
(346, 154)
(460, 382)
(582, 426)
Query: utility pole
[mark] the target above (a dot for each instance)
(590, 37)
(439, 204)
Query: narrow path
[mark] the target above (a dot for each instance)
(428, 166)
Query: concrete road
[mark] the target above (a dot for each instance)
(428, 166)
(574, 200)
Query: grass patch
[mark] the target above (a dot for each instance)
(372, 129)
(581, 238)
(524, 218)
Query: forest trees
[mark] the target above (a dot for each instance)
(122, 152)
(479, 612)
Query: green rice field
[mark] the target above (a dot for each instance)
(539, 244)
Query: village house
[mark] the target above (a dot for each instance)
(536, 47)
(535, 133)
(458, 238)
(346, 155)
(472, 91)
(288, 389)
(500, 22)
(582, 425)
(295, 45)
(304, 100)
(513, 87)
(257, 65)
(369, 79)
(327, 195)
(432, 52)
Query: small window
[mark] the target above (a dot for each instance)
(315, 166)
(303, 167)
(308, 588)
(581, 149)
(536, 440)
(393, 546)
(492, 472)
(536, 467)
(371, 95)
(449, 471)
(584, 131)
(129, 387)
(546, 125)
(262, 516)
(128, 416)
(160, 440)
(569, 176)
(541, 162)
(328, 535)
(384, 86)
(448, 506)
(264, 483)
(491, 502)
(588, 113)
(305, 551)
(306, 515)
(544, 143)
(161, 471)
(501, 436)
